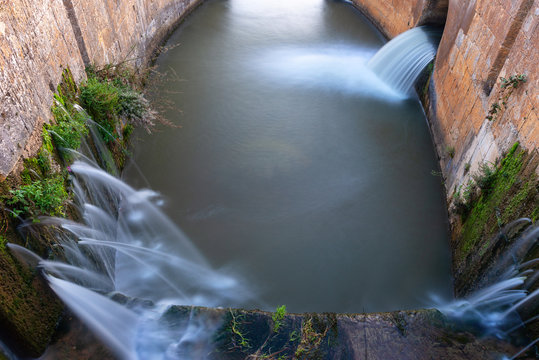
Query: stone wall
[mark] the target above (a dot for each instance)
(474, 121)
(483, 41)
(38, 38)
(393, 17)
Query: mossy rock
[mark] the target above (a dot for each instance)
(29, 311)
(481, 235)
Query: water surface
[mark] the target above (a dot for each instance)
(293, 163)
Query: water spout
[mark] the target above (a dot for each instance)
(495, 309)
(126, 244)
(400, 62)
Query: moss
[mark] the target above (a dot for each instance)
(428, 74)
(3, 242)
(28, 312)
(506, 191)
(516, 202)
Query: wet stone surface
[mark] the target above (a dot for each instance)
(243, 334)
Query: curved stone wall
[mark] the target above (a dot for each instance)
(38, 38)
(483, 41)
(393, 17)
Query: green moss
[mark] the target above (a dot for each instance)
(535, 214)
(516, 202)
(428, 71)
(28, 310)
(3, 242)
(502, 194)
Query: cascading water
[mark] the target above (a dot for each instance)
(510, 286)
(400, 62)
(125, 244)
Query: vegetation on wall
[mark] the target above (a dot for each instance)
(110, 98)
(254, 335)
(507, 86)
(110, 101)
(498, 194)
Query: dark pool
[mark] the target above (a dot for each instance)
(293, 164)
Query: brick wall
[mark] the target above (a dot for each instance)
(483, 41)
(38, 38)
(393, 17)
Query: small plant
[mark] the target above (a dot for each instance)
(136, 109)
(41, 197)
(485, 178)
(310, 340)
(450, 150)
(513, 81)
(238, 337)
(467, 167)
(494, 108)
(278, 317)
(507, 86)
(464, 197)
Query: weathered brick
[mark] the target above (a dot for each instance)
(37, 39)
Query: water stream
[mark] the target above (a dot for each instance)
(294, 162)
(299, 177)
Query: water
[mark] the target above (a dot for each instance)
(401, 61)
(339, 210)
(508, 296)
(125, 244)
(295, 164)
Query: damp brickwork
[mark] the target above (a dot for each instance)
(473, 118)
(482, 42)
(393, 17)
(39, 38)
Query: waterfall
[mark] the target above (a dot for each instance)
(126, 244)
(400, 62)
(495, 308)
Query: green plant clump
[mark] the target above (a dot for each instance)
(278, 317)
(481, 214)
(450, 150)
(507, 86)
(41, 197)
(112, 100)
(69, 127)
(69, 122)
(513, 81)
